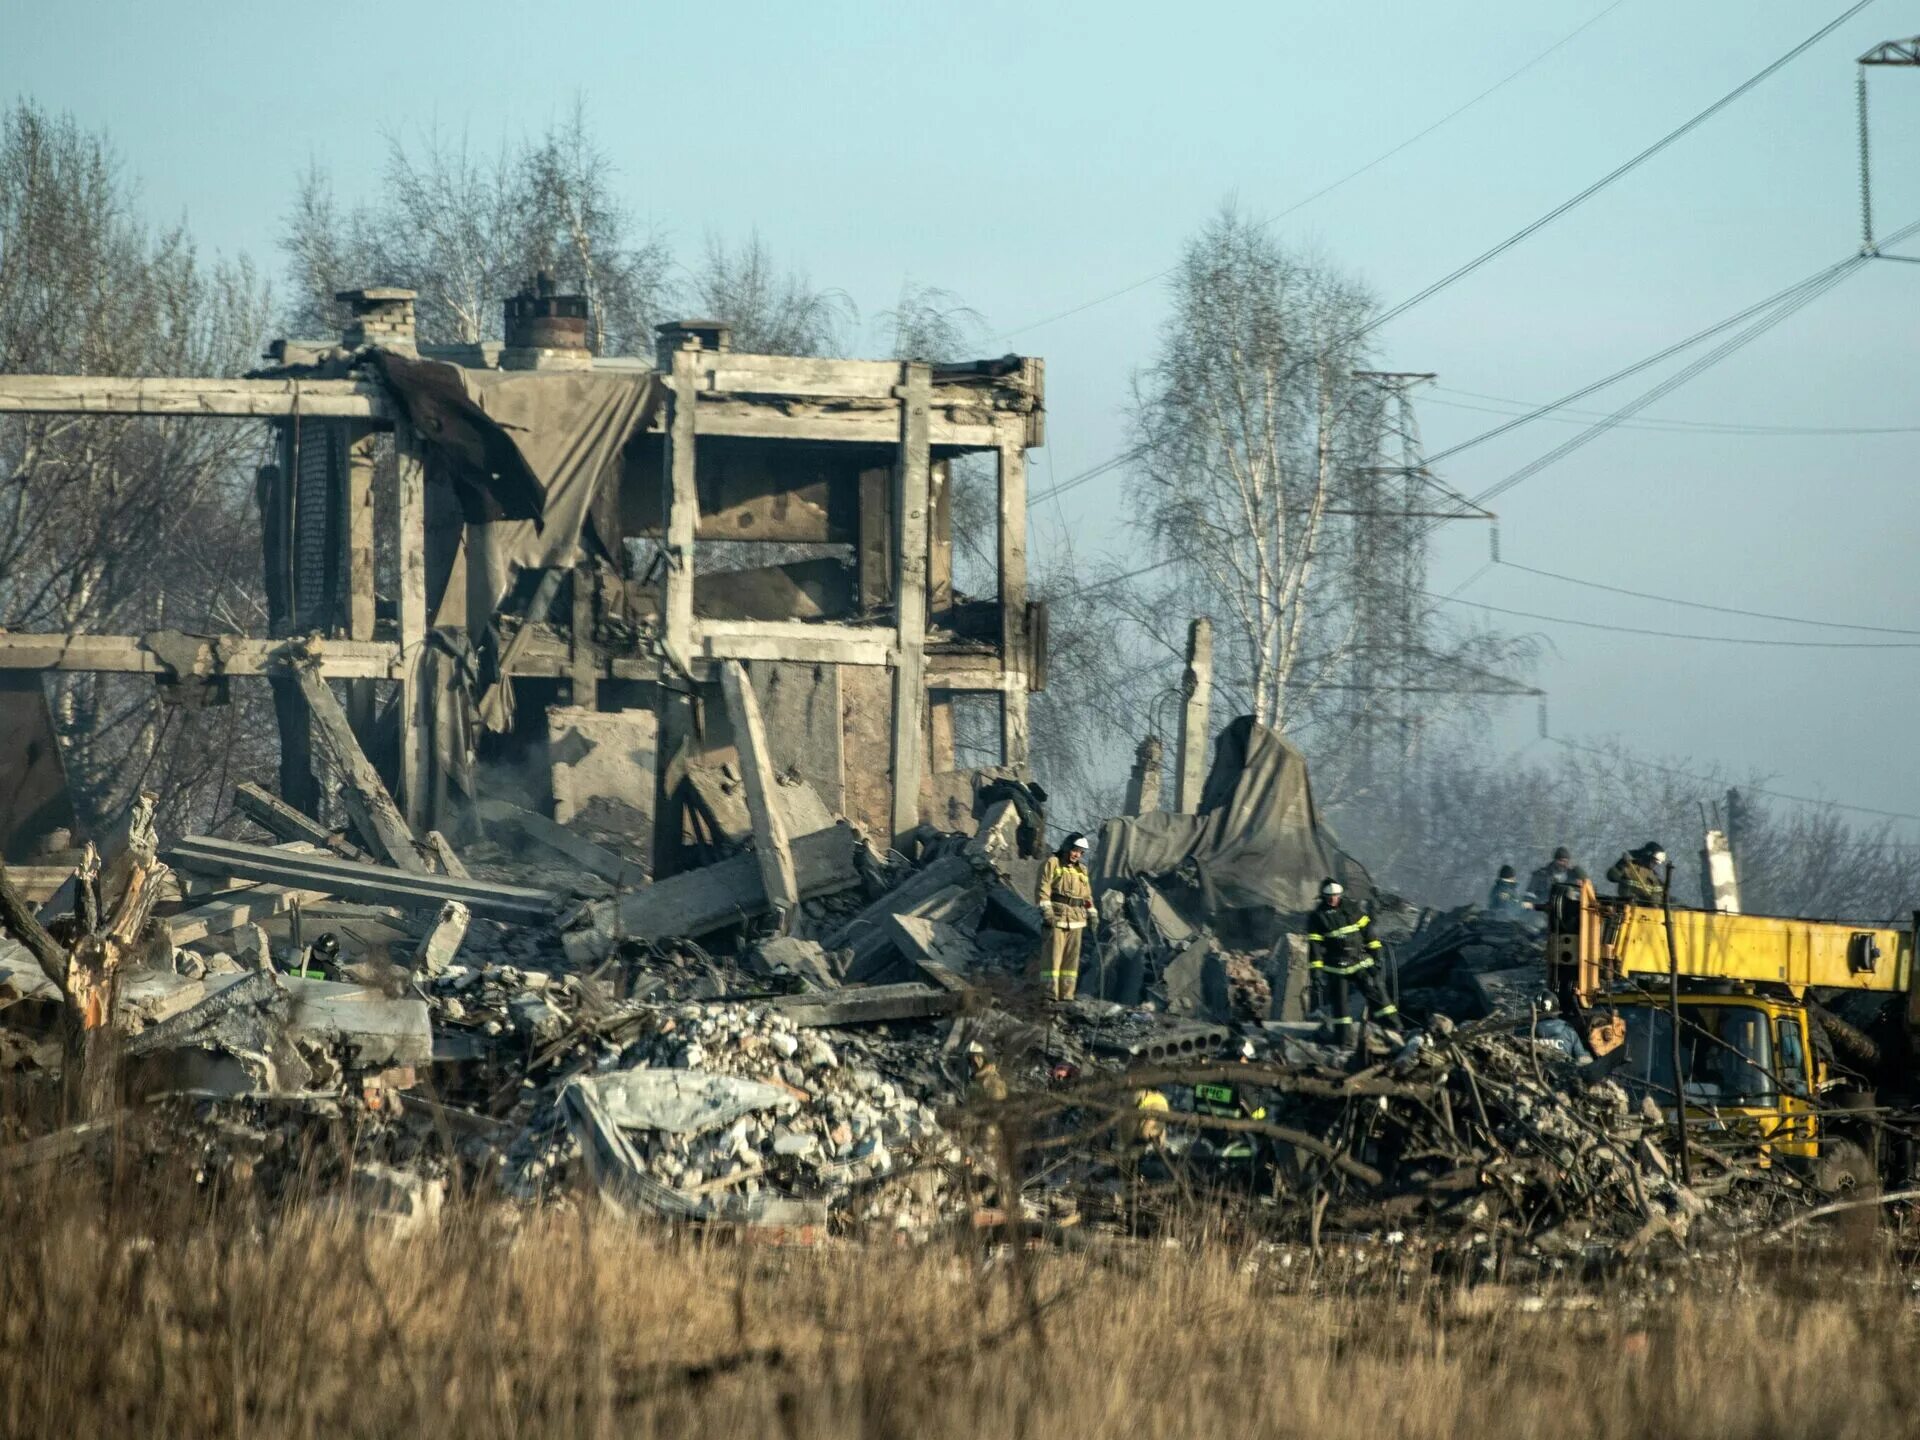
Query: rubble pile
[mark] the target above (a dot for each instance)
(1474, 962)
(527, 1016)
(726, 1103)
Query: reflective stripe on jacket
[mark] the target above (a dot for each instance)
(1340, 939)
(1066, 894)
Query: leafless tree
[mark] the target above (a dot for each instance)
(932, 324)
(1246, 430)
(121, 525)
(772, 310)
(467, 229)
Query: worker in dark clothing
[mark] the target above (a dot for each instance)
(1558, 871)
(1343, 950)
(1638, 874)
(1504, 897)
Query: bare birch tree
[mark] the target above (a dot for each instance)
(1245, 435)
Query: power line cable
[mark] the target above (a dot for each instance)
(1822, 280)
(1771, 311)
(1094, 472)
(1351, 175)
(1789, 307)
(1645, 363)
(1690, 604)
(1114, 580)
(1580, 198)
(1534, 408)
(1676, 634)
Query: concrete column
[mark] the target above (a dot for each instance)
(1143, 785)
(1196, 683)
(1014, 739)
(912, 502)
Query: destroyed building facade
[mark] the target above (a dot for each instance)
(503, 552)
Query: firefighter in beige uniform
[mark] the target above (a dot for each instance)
(1066, 904)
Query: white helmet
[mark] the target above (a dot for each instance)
(1330, 887)
(1079, 842)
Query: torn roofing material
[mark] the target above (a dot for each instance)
(529, 451)
(1257, 840)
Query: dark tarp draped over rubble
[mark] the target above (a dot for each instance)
(529, 452)
(1257, 841)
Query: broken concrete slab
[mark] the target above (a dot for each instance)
(867, 1005)
(443, 941)
(245, 1017)
(1289, 973)
(789, 955)
(229, 910)
(867, 934)
(612, 1160)
(1008, 909)
(1508, 992)
(996, 844)
(1171, 1043)
(375, 1028)
(361, 789)
(933, 942)
(447, 858)
(700, 901)
(1197, 983)
(281, 820)
(599, 755)
(720, 796)
(597, 859)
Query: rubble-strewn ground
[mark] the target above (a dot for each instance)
(195, 1317)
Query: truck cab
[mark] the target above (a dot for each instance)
(1749, 1070)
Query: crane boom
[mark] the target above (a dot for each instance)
(1593, 942)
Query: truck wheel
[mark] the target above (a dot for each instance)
(1844, 1171)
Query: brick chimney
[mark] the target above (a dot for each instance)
(545, 330)
(711, 335)
(382, 315)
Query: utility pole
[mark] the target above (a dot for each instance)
(1395, 501)
(1891, 52)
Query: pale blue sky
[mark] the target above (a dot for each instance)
(1031, 157)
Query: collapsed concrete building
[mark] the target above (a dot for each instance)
(505, 552)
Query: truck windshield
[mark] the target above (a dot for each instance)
(1726, 1054)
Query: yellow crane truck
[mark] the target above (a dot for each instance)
(1755, 1055)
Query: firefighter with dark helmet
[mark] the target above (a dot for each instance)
(1343, 950)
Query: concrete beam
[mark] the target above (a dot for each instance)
(175, 395)
(770, 845)
(218, 655)
(362, 790)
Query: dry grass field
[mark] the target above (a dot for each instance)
(163, 1314)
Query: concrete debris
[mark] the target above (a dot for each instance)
(854, 1061)
(443, 941)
